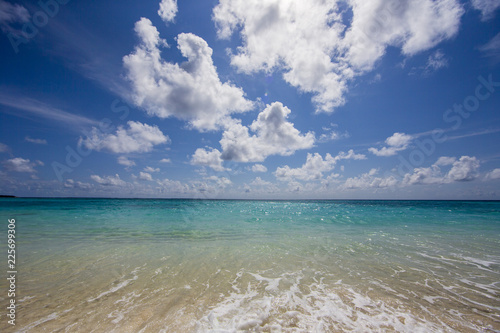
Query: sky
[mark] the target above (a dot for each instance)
(257, 99)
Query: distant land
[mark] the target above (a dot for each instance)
(7, 196)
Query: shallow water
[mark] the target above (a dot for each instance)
(101, 265)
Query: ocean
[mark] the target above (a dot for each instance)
(141, 265)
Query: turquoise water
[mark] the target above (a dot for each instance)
(127, 265)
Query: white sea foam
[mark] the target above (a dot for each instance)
(26, 298)
(481, 263)
(272, 284)
(297, 306)
(119, 286)
(34, 324)
(52, 316)
(431, 299)
(70, 328)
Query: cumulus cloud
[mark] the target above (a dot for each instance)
(108, 180)
(151, 169)
(258, 168)
(320, 53)
(396, 142)
(463, 169)
(315, 166)
(258, 185)
(168, 10)
(260, 182)
(369, 180)
(165, 160)
(221, 182)
(493, 174)
(145, 176)
(487, 8)
(190, 91)
(445, 160)
(36, 141)
(172, 186)
(207, 158)
(19, 164)
(125, 161)
(311, 170)
(70, 183)
(422, 176)
(274, 135)
(137, 138)
(414, 26)
(297, 36)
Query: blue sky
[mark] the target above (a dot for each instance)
(263, 99)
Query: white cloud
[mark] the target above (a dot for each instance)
(260, 182)
(297, 36)
(274, 136)
(168, 10)
(493, 174)
(36, 141)
(311, 170)
(493, 44)
(109, 180)
(414, 25)
(385, 151)
(165, 160)
(369, 180)
(436, 61)
(151, 169)
(210, 186)
(421, 176)
(492, 48)
(125, 161)
(317, 51)
(70, 183)
(29, 106)
(145, 176)
(464, 169)
(19, 164)
(221, 182)
(396, 142)
(331, 136)
(315, 166)
(445, 160)
(190, 91)
(330, 180)
(173, 186)
(487, 7)
(137, 138)
(210, 159)
(12, 14)
(258, 168)
(258, 185)
(3, 148)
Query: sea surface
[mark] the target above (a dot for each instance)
(126, 265)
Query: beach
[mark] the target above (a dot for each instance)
(144, 265)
